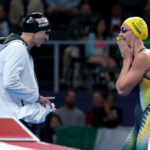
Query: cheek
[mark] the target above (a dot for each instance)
(38, 37)
(127, 38)
(39, 41)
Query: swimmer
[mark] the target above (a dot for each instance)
(135, 72)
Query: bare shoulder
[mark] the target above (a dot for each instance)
(146, 52)
(144, 55)
(146, 61)
(142, 60)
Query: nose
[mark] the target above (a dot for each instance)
(120, 34)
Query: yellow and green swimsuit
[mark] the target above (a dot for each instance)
(140, 134)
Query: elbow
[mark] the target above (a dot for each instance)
(123, 92)
(8, 84)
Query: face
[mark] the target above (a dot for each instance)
(101, 27)
(126, 33)
(40, 37)
(54, 122)
(98, 99)
(71, 98)
(116, 11)
(110, 100)
(85, 10)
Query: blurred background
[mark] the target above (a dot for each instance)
(79, 65)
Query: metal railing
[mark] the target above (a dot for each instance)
(57, 45)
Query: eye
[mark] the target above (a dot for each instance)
(47, 32)
(123, 29)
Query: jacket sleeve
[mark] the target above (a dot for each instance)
(14, 62)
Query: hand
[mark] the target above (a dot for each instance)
(125, 50)
(54, 110)
(46, 100)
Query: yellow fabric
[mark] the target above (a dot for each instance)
(138, 26)
(145, 92)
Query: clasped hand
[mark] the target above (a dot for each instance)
(46, 100)
(125, 50)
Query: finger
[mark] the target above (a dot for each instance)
(54, 109)
(123, 43)
(49, 103)
(119, 44)
(51, 98)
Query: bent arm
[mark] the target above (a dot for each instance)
(131, 73)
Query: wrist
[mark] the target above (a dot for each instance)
(38, 99)
(127, 59)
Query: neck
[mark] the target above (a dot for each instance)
(69, 107)
(100, 36)
(28, 38)
(137, 46)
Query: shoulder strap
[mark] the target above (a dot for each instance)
(141, 49)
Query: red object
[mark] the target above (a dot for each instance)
(15, 133)
(102, 46)
(39, 146)
(9, 128)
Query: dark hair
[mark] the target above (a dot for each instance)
(49, 118)
(98, 91)
(47, 132)
(96, 24)
(31, 23)
(71, 90)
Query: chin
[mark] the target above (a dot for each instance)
(38, 45)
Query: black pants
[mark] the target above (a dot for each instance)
(26, 124)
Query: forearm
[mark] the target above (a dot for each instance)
(121, 85)
(19, 90)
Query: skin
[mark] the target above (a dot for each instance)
(135, 65)
(54, 122)
(36, 39)
(98, 99)
(109, 102)
(70, 100)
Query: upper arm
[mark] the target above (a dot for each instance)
(136, 72)
(14, 59)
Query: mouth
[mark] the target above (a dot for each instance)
(119, 38)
